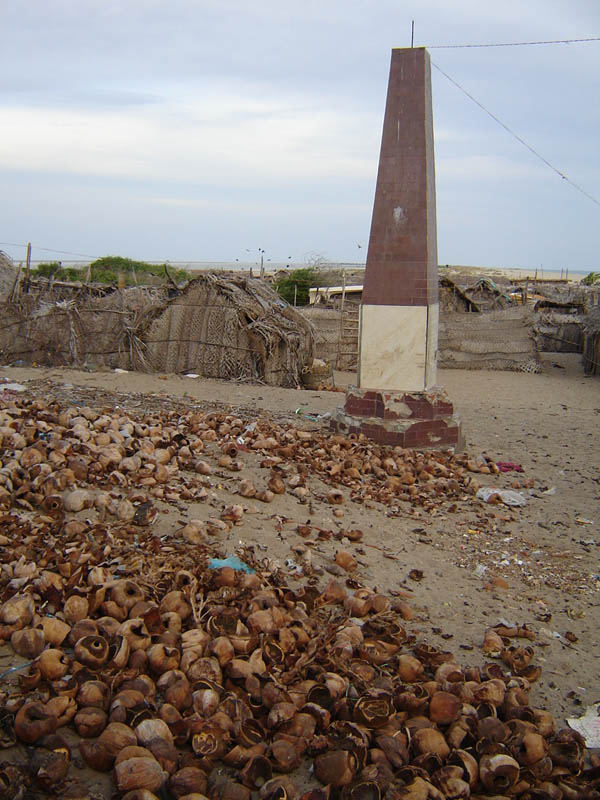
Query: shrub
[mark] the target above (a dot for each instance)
(48, 269)
(297, 282)
(107, 269)
(591, 279)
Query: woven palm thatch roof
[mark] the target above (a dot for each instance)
(591, 342)
(8, 273)
(229, 326)
(220, 326)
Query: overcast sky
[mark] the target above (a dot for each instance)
(200, 129)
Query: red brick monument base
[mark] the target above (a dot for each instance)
(416, 420)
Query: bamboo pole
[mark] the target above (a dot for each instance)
(28, 266)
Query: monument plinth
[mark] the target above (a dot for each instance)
(397, 401)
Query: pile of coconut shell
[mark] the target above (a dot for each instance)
(184, 681)
(49, 452)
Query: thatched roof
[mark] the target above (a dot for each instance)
(591, 342)
(488, 295)
(457, 296)
(565, 306)
(8, 274)
(218, 325)
(591, 322)
(231, 326)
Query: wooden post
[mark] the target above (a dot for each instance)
(262, 266)
(342, 304)
(295, 293)
(28, 266)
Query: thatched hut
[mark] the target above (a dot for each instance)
(454, 299)
(591, 343)
(558, 326)
(230, 327)
(499, 340)
(8, 275)
(219, 326)
(488, 296)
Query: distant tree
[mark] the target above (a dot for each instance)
(316, 261)
(295, 285)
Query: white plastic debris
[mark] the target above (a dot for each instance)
(507, 496)
(588, 725)
(12, 387)
(248, 429)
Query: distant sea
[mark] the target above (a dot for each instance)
(274, 266)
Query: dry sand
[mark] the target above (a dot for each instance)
(548, 552)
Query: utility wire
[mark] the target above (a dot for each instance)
(517, 137)
(49, 249)
(512, 44)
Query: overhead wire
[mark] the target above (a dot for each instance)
(517, 137)
(49, 249)
(513, 44)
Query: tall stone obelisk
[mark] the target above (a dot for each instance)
(397, 401)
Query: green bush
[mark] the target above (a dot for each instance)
(107, 269)
(591, 279)
(297, 282)
(48, 269)
(71, 274)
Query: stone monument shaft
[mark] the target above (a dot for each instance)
(397, 402)
(400, 311)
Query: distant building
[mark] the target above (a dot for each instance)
(332, 295)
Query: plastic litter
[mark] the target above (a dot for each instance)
(507, 496)
(248, 429)
(15, 669)
(191, 375)
(12, 387)
(120, 371)
(588, 725)
(480, 570)
(508, 466)
(312, 417)
(231, 561)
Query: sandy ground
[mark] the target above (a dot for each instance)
(547, 552)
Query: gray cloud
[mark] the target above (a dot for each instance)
(264, 119)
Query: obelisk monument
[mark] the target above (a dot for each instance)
(397, 401)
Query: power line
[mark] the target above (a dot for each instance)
(517, 137)
(49, 250)
(513, 44)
